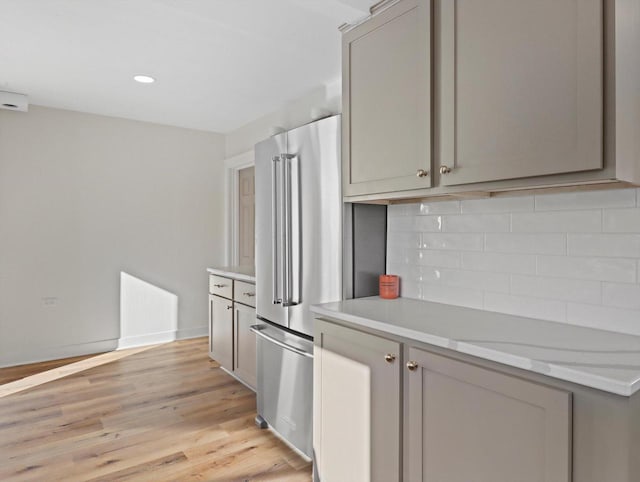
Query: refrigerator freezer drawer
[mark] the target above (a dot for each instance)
(285, 384)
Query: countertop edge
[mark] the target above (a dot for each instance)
(232, 274)
(551, 370)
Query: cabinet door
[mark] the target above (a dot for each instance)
(244, 347)
(519, 88)
(356, 405)
(387, 101)
(467, 423)
(221, 330)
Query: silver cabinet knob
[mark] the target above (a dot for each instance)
(422, 173)
(389, 358)
(412, 366)
(445, 169)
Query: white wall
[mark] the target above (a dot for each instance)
(571, 257)
(84, 198)
(326, 99)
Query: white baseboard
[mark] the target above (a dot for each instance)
(57, 352)
(147, 339)
(195, 332)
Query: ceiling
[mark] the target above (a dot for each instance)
(218, 63)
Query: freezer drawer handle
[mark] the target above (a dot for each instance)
(257, 329)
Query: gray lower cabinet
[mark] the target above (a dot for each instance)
(357, 427)
(244, 346)
(467, 423)
(231, 342)
(221, 330)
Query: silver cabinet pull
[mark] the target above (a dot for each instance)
(422, 173)
(445, 169)
(229, 307)
(389, 358)
(412, 366)
(220, 286)
(250, 295)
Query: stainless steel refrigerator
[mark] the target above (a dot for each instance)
(299, 215)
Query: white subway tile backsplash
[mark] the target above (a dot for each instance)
(612, 198)
(622, 220)
(604, 318)
(467, 279)
(396, 224)
(526, 243)
(571, 257)
(557, 222)
(461, 242)
(499, 263)
(497, 205)
(477, 223)
(582, 291)
(452, 295)
(409, 289)
(611, 245)
(394, 210)
(443, 259)
(428, 223)
(400, 240)
(524, 306)
(588, 268)
(621, 295)
(439, 207)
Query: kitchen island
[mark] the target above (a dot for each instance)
(439, 392)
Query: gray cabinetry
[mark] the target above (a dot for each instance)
(244, 344)
(387, 101)
(444, 97)
(357, 425)
(465, 422)
(231, 313)
(221, 330)
(520, 88)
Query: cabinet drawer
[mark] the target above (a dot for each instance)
(220, 286)
(244, 293)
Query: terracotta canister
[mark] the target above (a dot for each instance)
(389, 286)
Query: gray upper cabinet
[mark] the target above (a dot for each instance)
(387, 101)
(467, 423)
(519, 88)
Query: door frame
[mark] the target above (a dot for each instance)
(232, 166)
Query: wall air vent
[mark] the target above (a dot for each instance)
(13, 101)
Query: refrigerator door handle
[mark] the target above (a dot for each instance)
(291, 208)
(258, 330)
(274, 229)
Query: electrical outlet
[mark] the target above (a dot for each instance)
(49, 301)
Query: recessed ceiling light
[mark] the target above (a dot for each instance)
(144, 79)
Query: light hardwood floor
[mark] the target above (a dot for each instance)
(166, 413)
(18, 372)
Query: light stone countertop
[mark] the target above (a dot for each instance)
(599, 359)
(242, 273)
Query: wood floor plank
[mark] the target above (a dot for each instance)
(165, 413)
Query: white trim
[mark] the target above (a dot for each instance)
(57, 353)
(195, 332)
(232, 166)
(147, 339)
